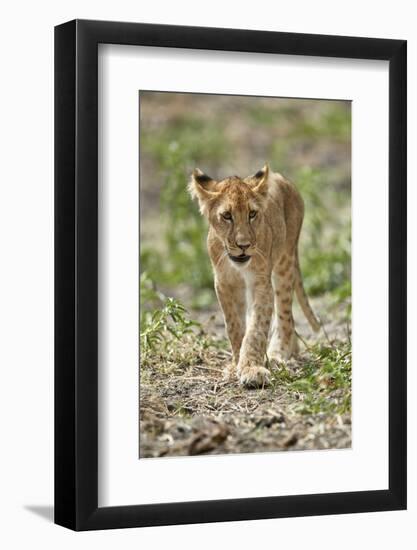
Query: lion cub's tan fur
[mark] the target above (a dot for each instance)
(254, 226)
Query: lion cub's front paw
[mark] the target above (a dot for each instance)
(254, 377)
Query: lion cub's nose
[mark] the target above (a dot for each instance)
(243, 246)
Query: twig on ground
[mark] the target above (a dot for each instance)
(331, 344)
(208, 368)
(303, 341)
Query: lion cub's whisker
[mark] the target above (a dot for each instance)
(261, 254)
(221, 258)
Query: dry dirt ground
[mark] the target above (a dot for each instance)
(188, 408)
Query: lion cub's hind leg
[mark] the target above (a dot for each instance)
(283, 341)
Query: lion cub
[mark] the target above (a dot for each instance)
(254, 226)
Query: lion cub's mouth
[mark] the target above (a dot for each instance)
(240, 259)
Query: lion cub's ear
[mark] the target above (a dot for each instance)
(259, 181)
(203, 188)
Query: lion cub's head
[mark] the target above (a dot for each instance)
(234, 208)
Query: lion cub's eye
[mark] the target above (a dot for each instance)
(252, 214)
(227, 216)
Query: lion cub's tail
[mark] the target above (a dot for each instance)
(302, 297)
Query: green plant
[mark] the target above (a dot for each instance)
(161, 318)
(323, 382)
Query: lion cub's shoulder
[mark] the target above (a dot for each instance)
(284, 192)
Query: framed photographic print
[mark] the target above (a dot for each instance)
(230, 252)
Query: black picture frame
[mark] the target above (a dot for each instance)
(76, 272)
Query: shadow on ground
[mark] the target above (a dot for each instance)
(45, 512)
